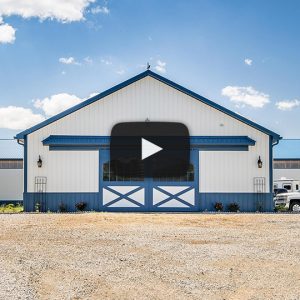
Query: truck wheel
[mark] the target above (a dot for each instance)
(295, 206)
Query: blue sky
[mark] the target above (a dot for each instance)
(243, 55)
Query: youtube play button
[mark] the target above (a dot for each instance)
(149, 148)
(155, 149)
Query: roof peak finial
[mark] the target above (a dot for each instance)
(148, 66)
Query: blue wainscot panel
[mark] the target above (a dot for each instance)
(248, 202)
(52, 201)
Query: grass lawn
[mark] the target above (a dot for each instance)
(11, 208)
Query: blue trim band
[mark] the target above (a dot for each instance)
(164, 80)
(223, 148)
(74, 148)
(63, 142)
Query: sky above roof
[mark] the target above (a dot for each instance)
(243, 55)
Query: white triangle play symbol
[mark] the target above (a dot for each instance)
(149, 148)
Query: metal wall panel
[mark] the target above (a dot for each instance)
(11, 184)
(205, 202)
(231, 171)
(286, 173)
(147, 98)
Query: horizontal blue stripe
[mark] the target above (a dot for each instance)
(74, 148)
(74, 140)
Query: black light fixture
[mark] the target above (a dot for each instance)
(39, 162)
(259, 163)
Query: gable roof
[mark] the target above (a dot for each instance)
(162, 79)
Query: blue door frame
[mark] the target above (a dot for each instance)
(149, 195)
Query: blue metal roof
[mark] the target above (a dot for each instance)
(140, 76)
(74, 140)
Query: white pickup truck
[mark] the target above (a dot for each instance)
(290, 201)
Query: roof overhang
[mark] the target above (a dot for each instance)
(72, 142)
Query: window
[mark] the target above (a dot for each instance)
(111, 174)
(297, 187)
(189, 176)
(287, 186)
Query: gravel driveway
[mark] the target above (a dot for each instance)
(149, 256)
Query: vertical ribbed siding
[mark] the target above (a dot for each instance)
(248, 202)
(147, 98)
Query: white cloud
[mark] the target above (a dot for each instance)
(248, 61)
(56, 103)
(287, 104)
(7, 33)
(18, 118)
(242, 96)
(88, 60)
(120, 72)
(160, 66)
(68, 61)
(100, 10)
(63, 11)
(106, 61)
(92, 95)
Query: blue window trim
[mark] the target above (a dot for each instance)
(162, 79)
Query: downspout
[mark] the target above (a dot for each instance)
(23, 143)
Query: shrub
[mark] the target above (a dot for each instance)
(62, 207)
(80, 206)
(37, 206)
(280, 208)
(218, 206)
(233, 207)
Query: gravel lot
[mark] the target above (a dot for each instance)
(149, 256)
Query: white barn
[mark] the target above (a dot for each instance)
(74, 157)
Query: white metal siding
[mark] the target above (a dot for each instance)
(11, 184)
(231, 171)
(287, 173)
(147, 98)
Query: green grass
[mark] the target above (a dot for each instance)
(11, 208)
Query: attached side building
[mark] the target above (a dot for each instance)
(11, 172)
(73, 147)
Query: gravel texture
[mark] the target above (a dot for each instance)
(149, 256)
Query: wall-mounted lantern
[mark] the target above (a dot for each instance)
(39, 162)
(259, 163)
